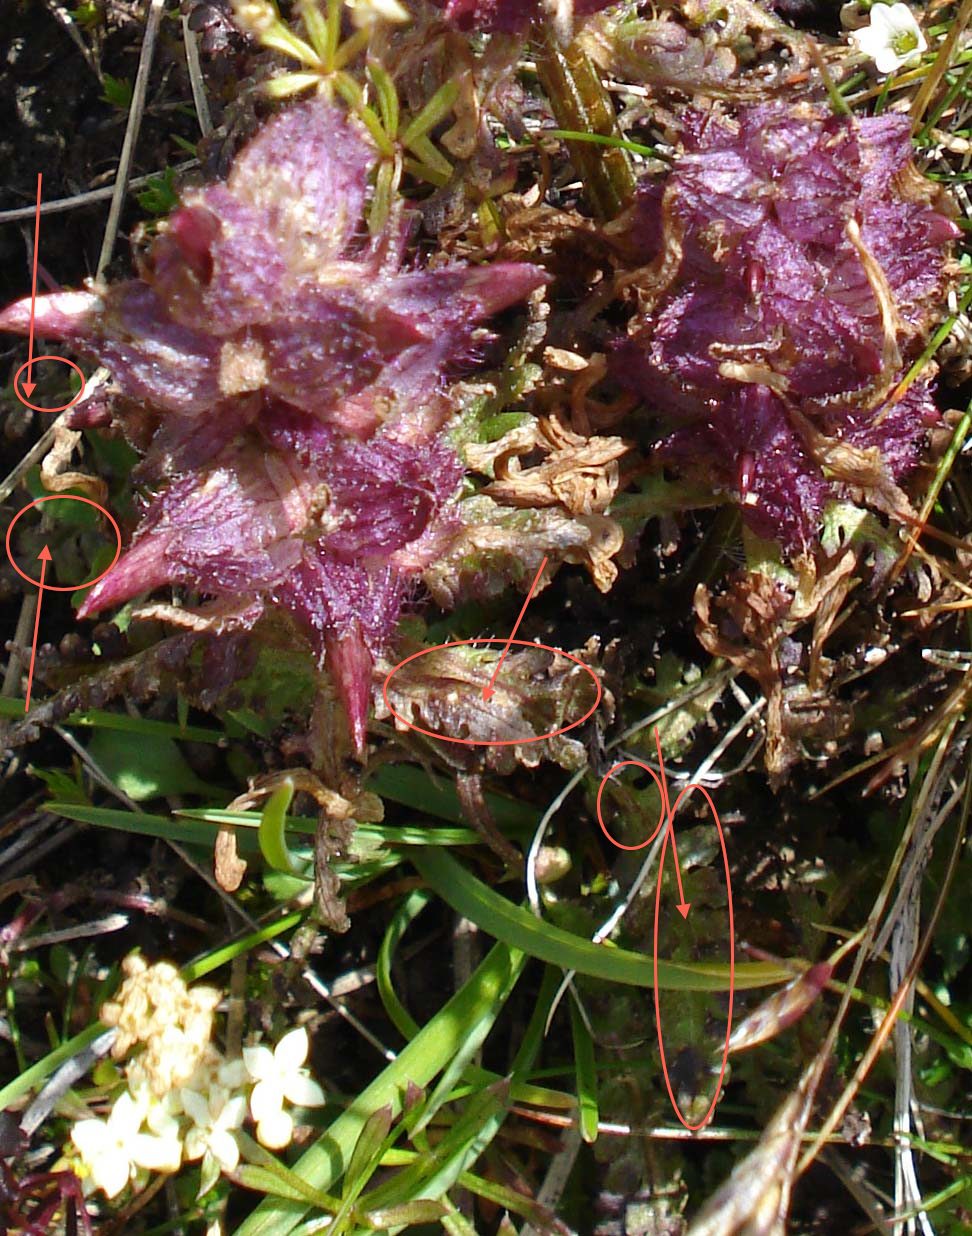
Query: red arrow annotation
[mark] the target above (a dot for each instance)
(489, 690)
(28, 384)
(666, 822)
(683, 906)
(45, 557)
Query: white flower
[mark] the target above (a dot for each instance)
(893, 39)
(113, 1149)
(280, 1075)
(367, 12)
(214, 1116)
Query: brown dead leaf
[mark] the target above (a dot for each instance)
(229, 868)
(55, 471)
(499, 545)
(755, 1200)
(580, 474)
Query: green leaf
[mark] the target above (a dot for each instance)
(60, 784)
(272, 830)
(170, 828)
(159, 196)
(435, 111)
(433, 1173)
(585, 1067)
(409, 910)
(208, 1174)
(517, 927)
(414, 787)
(117, 92)
(145, 767)
(424, 1210)
(264, 1171)
(387, 97)
(368, 1149)
(96, 719)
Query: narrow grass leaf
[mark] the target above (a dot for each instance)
(516, 926)
(585, 1071)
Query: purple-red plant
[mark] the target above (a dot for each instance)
(508, 16)
(293, 375)
(794, 261)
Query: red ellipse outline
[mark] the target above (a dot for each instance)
(65, 498)
(693, 1128)
(64, 406)
(492, 742)
(661, 790)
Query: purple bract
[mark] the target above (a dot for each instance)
(794, 260)
(508, 16)
(293, 375)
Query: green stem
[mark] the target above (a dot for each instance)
(580, 103)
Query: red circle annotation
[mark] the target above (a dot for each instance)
(36, 407)
(64, 498)
(493, 742)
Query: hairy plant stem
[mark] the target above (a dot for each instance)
(580, 103)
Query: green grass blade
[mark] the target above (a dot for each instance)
(98, 719)
(414, 787)
(403, 917)
(517, 927)
(585, 1068)
(409, 834)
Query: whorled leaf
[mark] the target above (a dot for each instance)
(536, 693)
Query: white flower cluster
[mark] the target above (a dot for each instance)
(184, 1101)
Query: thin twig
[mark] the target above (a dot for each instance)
(61, 204)
(196, 81)
(62, 15)
(15, 666)
(139, 91)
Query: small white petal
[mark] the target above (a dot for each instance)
(275, 1130)
(195, 1144)
(111, 1173)
(233, 1113)
(157, 1154)
(126, 1117)
(91, 1138)
(232, 1074)
(266, 1099)
(161, 1118)
(224, 1148)
(196, 1107)
(291, 1052)
(258, 1061)
(303, 1091)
